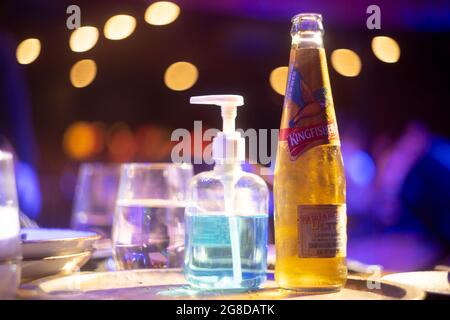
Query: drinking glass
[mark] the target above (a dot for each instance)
(148, 228)
(10, 248)
(95, 198)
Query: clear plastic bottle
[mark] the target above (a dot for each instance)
(227, 214)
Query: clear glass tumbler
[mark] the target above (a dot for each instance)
(95, 198)
(148, 228)
(10, 248)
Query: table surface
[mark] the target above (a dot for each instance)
(166, 284)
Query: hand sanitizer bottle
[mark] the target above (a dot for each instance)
(227, 212)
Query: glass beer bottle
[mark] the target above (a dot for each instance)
(310, 209)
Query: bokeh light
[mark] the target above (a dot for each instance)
(346, 62)
(28, 50)
(79, 140)
(83, 73)
(83, 39)
(119, 27)
(162, 13)
(278, 80)
(153, 143)
(361, 168)
(30, 197)
(386, 49)
(121, 143)
(99, 130)
(181, 76)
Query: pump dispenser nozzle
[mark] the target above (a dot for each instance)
(229, 145)
(227, 102)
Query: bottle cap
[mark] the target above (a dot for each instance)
(228, 145)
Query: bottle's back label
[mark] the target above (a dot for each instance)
(308, 117)
(322, 231)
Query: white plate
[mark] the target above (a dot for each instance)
(40, 243)
(34, 269)
(437, 282)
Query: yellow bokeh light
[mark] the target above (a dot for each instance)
(79, 140)
(181, 76)
(346, 62)
(386, 49)
(161, 13)
(83, 39)
(278, 80)
(119, 27)
(83, 73)
(28, 50)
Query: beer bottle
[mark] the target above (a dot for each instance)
(309, 186)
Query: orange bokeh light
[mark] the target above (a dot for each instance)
(153, 143)
(79, 140)
(121, 143)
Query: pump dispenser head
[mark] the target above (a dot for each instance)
(228, 145)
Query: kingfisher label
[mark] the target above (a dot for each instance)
(299, 139)
(308, 119)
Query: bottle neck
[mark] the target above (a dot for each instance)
(307, 31)
(310, 40)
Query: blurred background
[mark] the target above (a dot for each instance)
(115, 90)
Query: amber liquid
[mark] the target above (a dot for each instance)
(316, 177)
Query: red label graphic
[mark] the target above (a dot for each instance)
(308, 117)
(300, 138)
